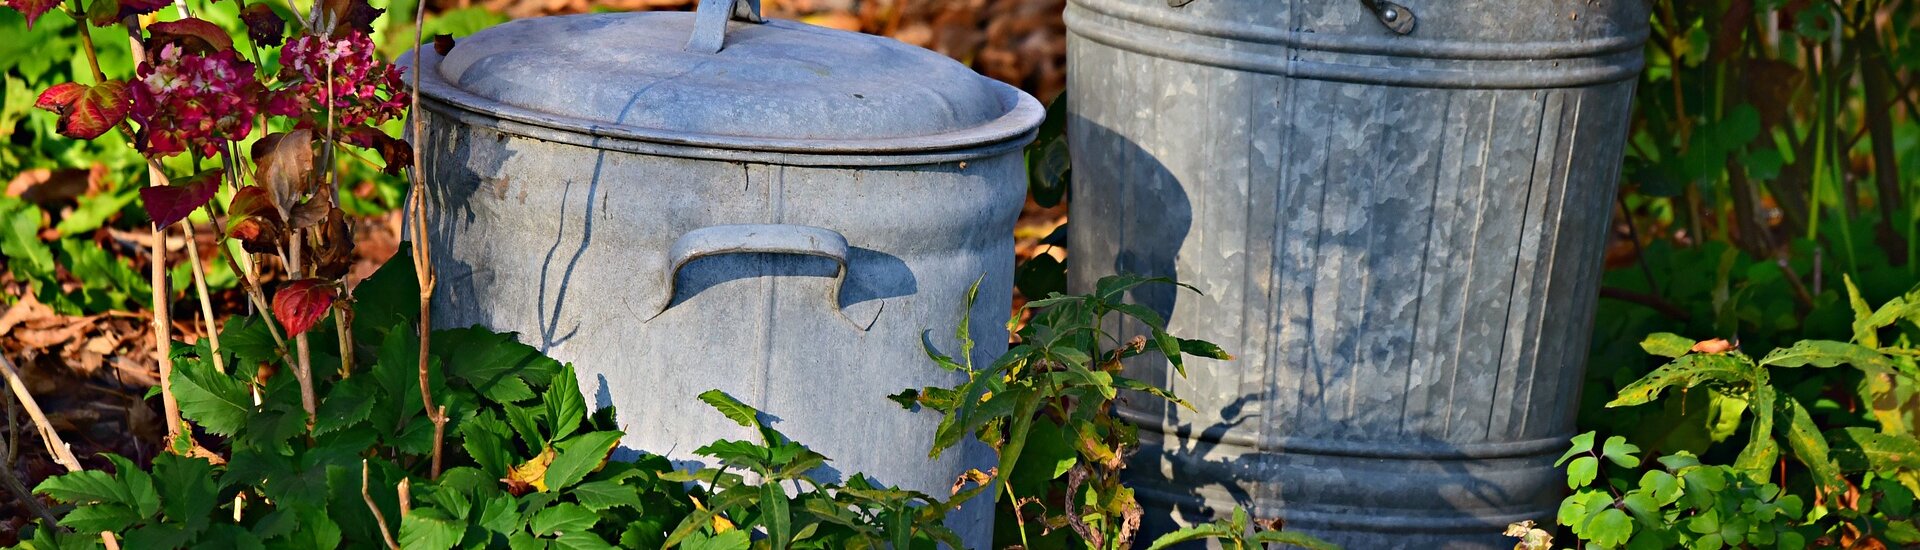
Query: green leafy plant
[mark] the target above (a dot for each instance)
(1046, 407)
(1686, 504)
(1238, 532)
(856, 514)
(1853, 482)
(530, 468)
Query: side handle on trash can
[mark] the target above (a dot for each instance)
(764, 239)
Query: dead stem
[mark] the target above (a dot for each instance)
(405, 492)
(162, 329)
(303, 371)
(55, 446)
(200, 287)
(385, 533)
(422, 255)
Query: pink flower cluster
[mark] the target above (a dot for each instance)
(357, 81)
(199, 100)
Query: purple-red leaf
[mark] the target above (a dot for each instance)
(60, 96)
(32, 8)
(87, 111)
(141, 7)
(264, 25)
(195, 36)
(396, 152)
(301, 304)
(173, 202)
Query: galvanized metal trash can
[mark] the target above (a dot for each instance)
(777, 211)
(1397, 215)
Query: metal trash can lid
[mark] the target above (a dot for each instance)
(774, 86)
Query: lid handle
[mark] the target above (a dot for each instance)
(710, 22)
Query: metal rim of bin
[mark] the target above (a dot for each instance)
(1522, 65)
(1011, 131)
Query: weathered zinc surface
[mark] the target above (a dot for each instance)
(779, 220)
(1398, 235)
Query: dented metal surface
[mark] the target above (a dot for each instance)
(1398, 235)
(674, 221)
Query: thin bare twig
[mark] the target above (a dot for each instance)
(22, 494)
(405, 491)
(422, 255)
(303, 371)
(55, 446)
(200, 287)
(385, 533)
(162, 329)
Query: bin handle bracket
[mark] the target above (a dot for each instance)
(1396, 17)
(710, 22)
(764, 239)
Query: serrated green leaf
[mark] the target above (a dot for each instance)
(732, 408)
(137, 484)
(1203, 348)
(1197, 532)
(499, 514)
(1125, 383)
(774, 514)
(606, 494)
(350, 402)
(565, 517)
(1828, 354)
(101, 517)
(90, 211)
(578, 456)
(1291, 540)
(1808, 445)
(1864, 449)
(699, 519)
(495, 365)
(1687, 371)
(730, 540)
(580, 540)
(214, 401)
(566, 408)
(1048, 454)
(1667, 344)
(20, 241)
(99, 271)
(1757, 459)
(186, 488)
(525, 541)
(83, 487)
(430, 529)
(489, 442)
(526, 423)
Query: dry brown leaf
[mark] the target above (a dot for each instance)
(27, 309)
(284, 166)
(1716, 345)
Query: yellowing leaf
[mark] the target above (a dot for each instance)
(532, 473)
(720, 523)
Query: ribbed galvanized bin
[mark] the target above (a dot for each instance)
(1399, 235)
(778, 219)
